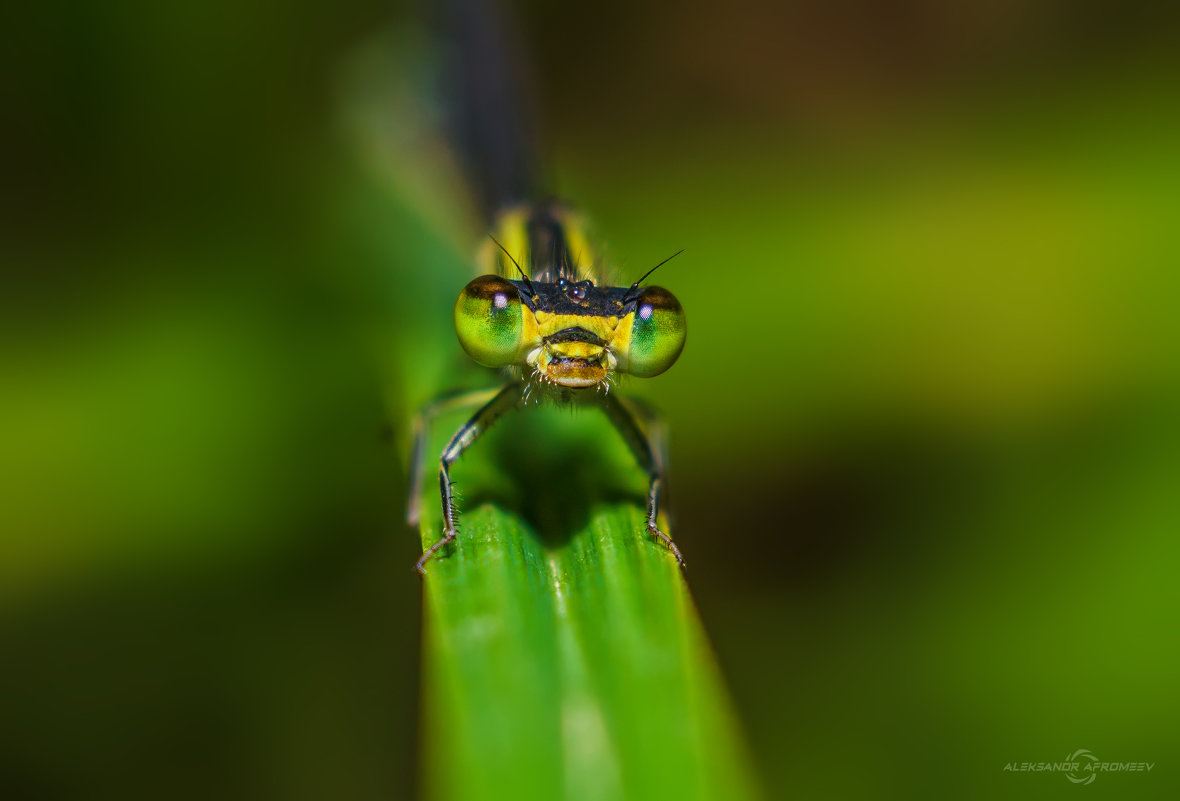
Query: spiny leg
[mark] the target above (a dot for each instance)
(649, 458)
(505, 400)
(450, 402)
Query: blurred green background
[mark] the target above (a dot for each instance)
(925, 441)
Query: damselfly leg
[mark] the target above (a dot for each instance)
(648, 449)
(444, 404)
(503, 401)
(646, 443)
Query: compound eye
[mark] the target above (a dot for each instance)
(658, 331)
(489, 321)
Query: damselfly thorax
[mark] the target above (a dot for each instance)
(543, 312)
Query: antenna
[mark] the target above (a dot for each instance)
(523, 275)
(635, 286)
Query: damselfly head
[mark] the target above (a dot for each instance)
(571, 334)
(546, 313)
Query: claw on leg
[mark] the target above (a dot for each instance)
(448, 536)
(654, 530)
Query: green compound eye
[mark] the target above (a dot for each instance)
(489, 321)
(657, 333)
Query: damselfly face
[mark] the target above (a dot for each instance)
(568, 332)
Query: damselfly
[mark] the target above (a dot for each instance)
(561, 333)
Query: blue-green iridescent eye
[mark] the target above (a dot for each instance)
(489, 321)
(658, 332)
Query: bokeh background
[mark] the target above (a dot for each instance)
(925, 441)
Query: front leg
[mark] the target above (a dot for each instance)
(506, 399)
(443, 404)
(650, 458)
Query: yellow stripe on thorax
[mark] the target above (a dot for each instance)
(511, 229)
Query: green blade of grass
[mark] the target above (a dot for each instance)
(572, 666)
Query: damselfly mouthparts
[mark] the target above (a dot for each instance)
(561, 334)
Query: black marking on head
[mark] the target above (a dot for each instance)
(598, 301)
(575, 290)
(575, 335)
